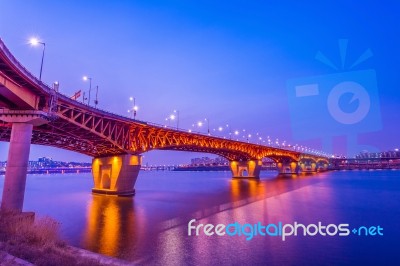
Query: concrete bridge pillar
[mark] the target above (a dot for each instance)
(116, 175)
(308, 167)
(18, 155)
(287, 168)
(17, 167)
(246, 169)
(322, 167)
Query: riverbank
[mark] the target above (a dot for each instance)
(55, 171)
(203, 168)
(26, 239)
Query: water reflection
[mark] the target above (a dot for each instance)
(246, 188)
(151, 228)
(249, 201)
(112, 225)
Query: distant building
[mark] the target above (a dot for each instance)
(206, 161)
(376, 155)
(45, 162)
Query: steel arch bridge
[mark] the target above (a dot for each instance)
(33, 112)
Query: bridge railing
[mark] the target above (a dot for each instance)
(22, 69)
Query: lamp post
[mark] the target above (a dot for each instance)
(177, 118)
(208, 125)
(96, 101)
(199, 125)
(86, 78)
(134, 108)
(236, 134)
(35, 42)
(173, 116)
(230, 131)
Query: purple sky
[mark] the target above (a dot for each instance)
(230, 63)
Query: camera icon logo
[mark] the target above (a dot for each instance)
(339, 104)
(358, 92)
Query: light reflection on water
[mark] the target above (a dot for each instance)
(151, 228)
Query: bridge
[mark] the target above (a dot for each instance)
(32, 112)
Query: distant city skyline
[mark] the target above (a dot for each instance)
(215, 63)
(50, 162)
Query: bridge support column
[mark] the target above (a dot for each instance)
(246, 169)
(18, 155)
(116, 175)
(17, 167)
(308, 167)
(287, 168)
(322, 168)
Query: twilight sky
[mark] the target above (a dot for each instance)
(232, 62)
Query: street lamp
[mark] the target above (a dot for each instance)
(208, 125)
(177, 120)
(201, 123)
(230, 131)
(173, 116)
(236, 134)
(35, 42)
(166, 120)
(134, 108)
(96, 101)
(86, 78)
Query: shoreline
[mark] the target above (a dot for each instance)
(29, 240)
(55, 171)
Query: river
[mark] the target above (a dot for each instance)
(152, 227)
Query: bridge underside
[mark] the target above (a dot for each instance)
(115, 172)
(64, 135)
(85, 133)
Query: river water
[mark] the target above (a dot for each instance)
(152, 227)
